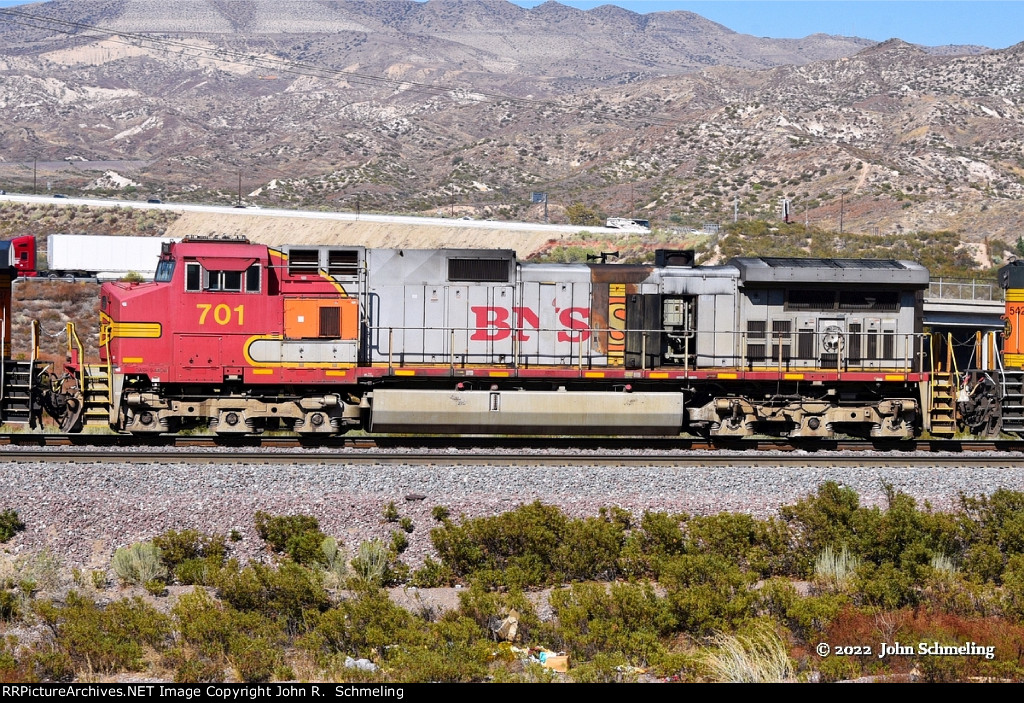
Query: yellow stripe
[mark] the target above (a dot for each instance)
(336, 373)
(1015, 295)
(1015, 360)
(895, 377)
(659, 374)
(593, 374)
(136, 330)
(132, 360)
(499, 373)
(404, 372)
(793, 376)
(727, 375)
(262, 372)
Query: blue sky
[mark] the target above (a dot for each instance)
(992, 23)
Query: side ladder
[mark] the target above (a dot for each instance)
(16, 381)
(943, 405)
(1013, 401)
(93, 382)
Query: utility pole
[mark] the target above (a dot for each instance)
(239, 187)
(842, 209)
(736, 209)
(34, 162)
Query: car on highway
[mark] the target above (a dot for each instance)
(155, 201)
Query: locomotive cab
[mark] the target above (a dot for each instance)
(227, 336)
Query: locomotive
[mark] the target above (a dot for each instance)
(240, 338)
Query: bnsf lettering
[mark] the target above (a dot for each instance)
(492, 324)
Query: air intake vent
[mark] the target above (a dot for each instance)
(479, 270)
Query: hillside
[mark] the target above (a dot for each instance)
(373, 106)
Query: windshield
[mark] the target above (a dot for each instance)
(164, 271)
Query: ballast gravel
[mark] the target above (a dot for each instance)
(82, 512)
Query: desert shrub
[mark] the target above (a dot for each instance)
(995, 527)
(886, 585)
(451, 664)
(189, 668)
(377, 565)
(831, 516)
(10, 605)
(628, 619)
(390, 512)
(659, 536)
(983, 563)
(902, 535)
(531, 545)
(178, 547)
(138, 564)
(805, 616)
(250, 642)
(334, 559)
(1013, 587)
(298, 536)
(364, 626)
(290, 592)
(10, 525)
(762, 546)
(604, 667)
(453, 649)
(487, 608)
(706, 592)
(106, 639)
(440, 513)
(15, 668)
(399, 542)
(198, 572)
(432, 574)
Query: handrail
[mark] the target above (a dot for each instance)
(905, 351)
(72, 336)
(3, 359)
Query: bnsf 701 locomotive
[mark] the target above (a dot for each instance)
(241, 337)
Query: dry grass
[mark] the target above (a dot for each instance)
(760, 657)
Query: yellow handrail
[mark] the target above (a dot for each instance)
(72, 336)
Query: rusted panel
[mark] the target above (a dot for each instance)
(611, 284)
(620, 273)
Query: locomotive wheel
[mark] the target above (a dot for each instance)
(71, 422)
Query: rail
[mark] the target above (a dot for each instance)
(585, 349)
(964, 289)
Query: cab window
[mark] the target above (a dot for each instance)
(164, 271)
(193, 277)
(197, 279)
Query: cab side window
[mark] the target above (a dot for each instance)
(193, 277)
(196, 279)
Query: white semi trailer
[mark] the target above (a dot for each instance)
(101, 256)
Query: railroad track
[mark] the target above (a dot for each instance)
(504, 450)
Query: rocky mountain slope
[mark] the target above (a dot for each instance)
(462, 107)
